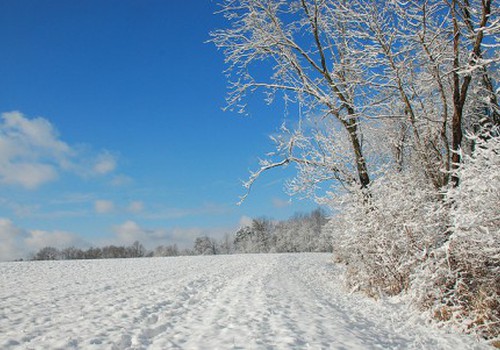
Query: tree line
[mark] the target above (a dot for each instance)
(135, 250)
(301, 233)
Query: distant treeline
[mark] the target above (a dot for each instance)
(136, 250)
(301, 233)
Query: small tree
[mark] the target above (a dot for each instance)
(226, 245)
(72, 253)
(47, 253)
(94, 253)
(205, 246)
(136, 250)
(170, 250)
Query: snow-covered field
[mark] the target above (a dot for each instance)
(217, 302)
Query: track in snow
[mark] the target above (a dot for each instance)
(221, 302)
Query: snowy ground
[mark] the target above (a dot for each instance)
(222, 302)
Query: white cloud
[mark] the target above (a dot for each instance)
(184, 237)
(19, 243)
(38, 239)
(281, 203)
(245, 221)
(11, 238)
(37, 132)
(44, 212)
(30, 151)
(102, 206)
(104, 164)
(28, 175)
(135, 207)
(32, 154)
(130, 231)
(121, 180)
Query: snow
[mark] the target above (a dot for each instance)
(282, 301)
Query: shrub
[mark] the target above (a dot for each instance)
(384, 238)
(460, 283)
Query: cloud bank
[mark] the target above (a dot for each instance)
(129, 231)
(32, 153)
(20, 243)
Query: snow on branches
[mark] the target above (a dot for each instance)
(385, 94)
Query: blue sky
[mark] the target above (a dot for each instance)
(112, 127)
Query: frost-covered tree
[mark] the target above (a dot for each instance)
(301, 46)
(256, 237)
(378, 96)
(460, 283)
(415, 74)
(384, 246)
(205, 246)
(303, 233)
(300, 233)
(243, 240)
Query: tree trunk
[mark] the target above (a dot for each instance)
(362, 169)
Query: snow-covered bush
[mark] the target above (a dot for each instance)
(302, 233)
(255, 238)
(460, 282)
(383, 239)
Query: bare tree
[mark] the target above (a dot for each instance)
(303, 45)
(71, 253)
(470, 26)
(412, 74)
(169, 250)
(47, 253)
(226, 244)
(136, 250)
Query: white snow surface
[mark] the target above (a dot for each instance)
(282, 301)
